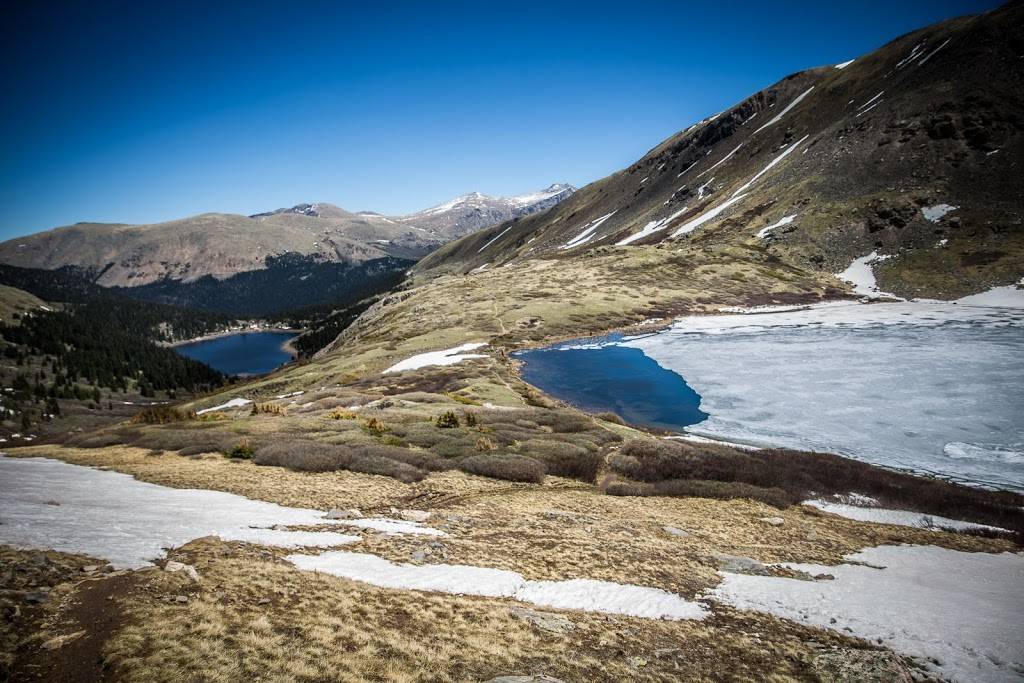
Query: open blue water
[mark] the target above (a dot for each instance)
(597, 376)
(245, 353)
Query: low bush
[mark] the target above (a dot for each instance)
(507, 467)
(306, 455)
(242, 450)
(267, 409)
(375, 426)
(564, 459)
(447, 420)
(158, 415)
(342, 414)
(610, 417)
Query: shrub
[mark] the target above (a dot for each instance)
(267, 409)
(158, 415)
(375, 426)
(507, 467)
(306, 455)
(610, 417)
(485, 445)
(470, 418)
(342, 414)
(564, 459)
(242, 450)
(447, 420)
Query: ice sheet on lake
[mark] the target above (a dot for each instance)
(961, 610)
(50, 504)
(579, 594)
(889, 383)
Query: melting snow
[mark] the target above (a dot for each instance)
(868, 513)
(700, 220)
(651, 228)
(959, 611)
(128, 522)
(770, 165)
(588, 232)
(782, 113)
(843, 65)
(577, 594)
(723, 159)
(861, 275)
(1010, 296)
(447, 357)
(935, 213)
(233, 403)
(494, 239)
(702, 188)
(785, 220)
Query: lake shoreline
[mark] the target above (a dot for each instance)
(228, 333)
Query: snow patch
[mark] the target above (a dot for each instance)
(770, 165)
(936, 212)
(777, 117)
(575, 594)
(785, 220)
(651, 228)
(431, 358)
(861, 275)
(129, 523)
(494, 239)
(588, 232)
(233, 403)
(958, 611)
(708, 215)
(867, 513)
(843, 65)
(1010, 296)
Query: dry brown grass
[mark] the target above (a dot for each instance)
(321, 628)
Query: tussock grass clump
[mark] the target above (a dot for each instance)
(375, 426)
(342, 414)
(610, 417)
(507, 467)
(267, 409)
(158, 415)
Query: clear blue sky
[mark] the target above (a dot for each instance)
(146, 111)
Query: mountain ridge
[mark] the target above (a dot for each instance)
(221, 245)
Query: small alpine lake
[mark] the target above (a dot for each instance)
(600, 375)
(243, 353)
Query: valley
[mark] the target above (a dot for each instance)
(746, 409)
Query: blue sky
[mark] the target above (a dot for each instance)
(146, 111)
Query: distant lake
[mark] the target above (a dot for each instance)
(245, 353)
(598, 375)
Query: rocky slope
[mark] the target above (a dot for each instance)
(224, 245)
(912, 153)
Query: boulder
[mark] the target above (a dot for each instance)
(351, 513)
(675, 531)
(60, 641)
(542, 620)
(414, 515)
(736, 564)
(189, 570)
(774, 521)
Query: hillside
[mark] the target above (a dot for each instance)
(220, 245)
(912, 153)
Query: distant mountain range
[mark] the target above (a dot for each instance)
(221, 246)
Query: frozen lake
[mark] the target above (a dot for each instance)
(932, 387)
